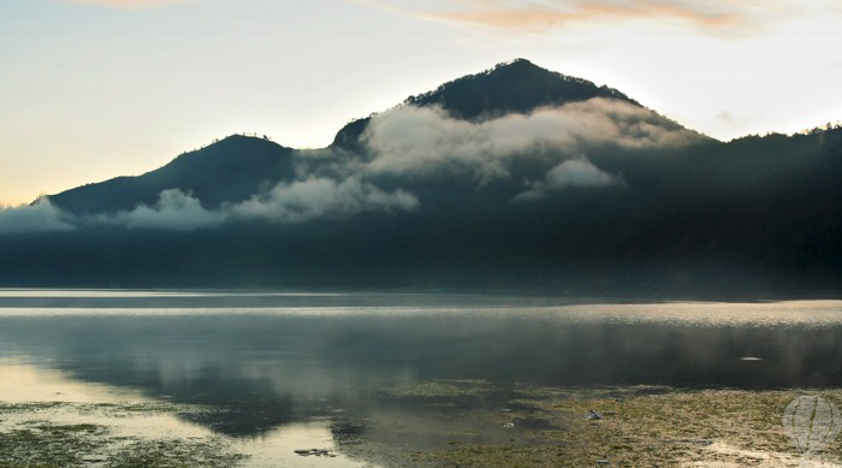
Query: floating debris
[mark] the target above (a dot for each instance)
(594, 416)
(509, 425)
(751, 358)
(315, 453)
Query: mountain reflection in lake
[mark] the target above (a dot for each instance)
(274, 361)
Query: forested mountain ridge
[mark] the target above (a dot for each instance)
(514, 178)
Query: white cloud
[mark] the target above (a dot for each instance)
(174, 210)
(315, 198)
(409, 142)
(422, 141)
(573, 173)
(286, 203)
(40, 217)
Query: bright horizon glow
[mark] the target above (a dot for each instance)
(93, 89)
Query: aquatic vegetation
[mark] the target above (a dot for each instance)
(639, 426)
(174, 454)
(35, 435)
(44, 445)
(485, 425)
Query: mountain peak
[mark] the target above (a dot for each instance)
(227, 170)
(517, 86)
(230, 146)
(518, 64)
(242, 137)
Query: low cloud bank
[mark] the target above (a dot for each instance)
(425, 141)
(574, 173)
(175, 210)
(39, 217)
(314, 198)
(409, 144)
(286, 203)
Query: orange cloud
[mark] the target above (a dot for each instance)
(716, 16)
(133, 4)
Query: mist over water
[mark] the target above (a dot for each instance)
(270, 360)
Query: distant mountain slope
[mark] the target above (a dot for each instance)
(513, 178)
(518, 86)
(230, 170)
(238, 167)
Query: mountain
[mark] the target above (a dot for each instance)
(516, 178)
(230, 170)
(517, 86)
(237, 167)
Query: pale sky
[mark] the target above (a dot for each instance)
(92, 89)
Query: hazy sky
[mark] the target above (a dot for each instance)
(91, 89)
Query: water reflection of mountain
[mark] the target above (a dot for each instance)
(264, 371)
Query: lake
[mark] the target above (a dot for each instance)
(277, 372)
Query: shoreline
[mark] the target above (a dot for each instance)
(440, 424)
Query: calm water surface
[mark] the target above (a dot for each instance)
(280, 367)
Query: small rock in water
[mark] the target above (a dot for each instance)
(594, 416)
(509, 425)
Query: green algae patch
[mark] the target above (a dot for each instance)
(47, 446)
(440, 389)
(174, 454)
(623, 427)
(445, 424)
(70, 435)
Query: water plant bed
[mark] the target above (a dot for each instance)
(440, 424)
(39, 435)
(525, 426)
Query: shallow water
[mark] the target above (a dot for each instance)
(281, 368)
